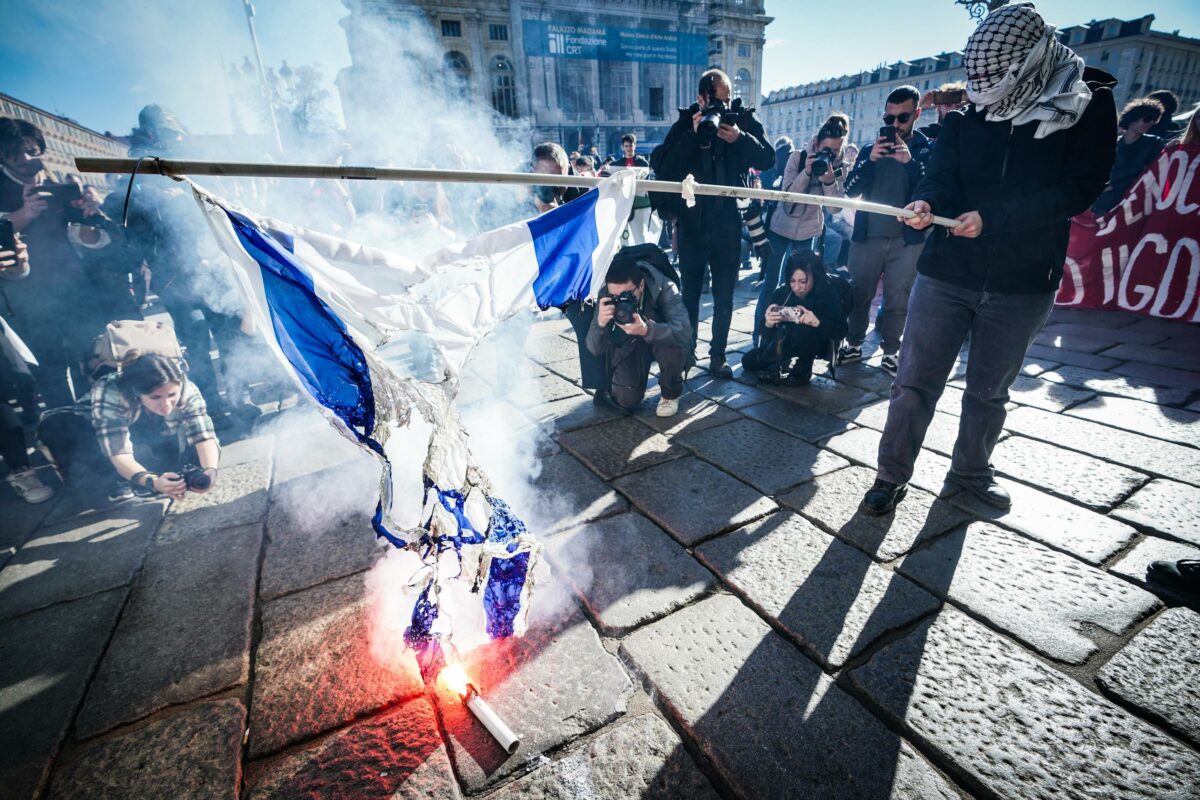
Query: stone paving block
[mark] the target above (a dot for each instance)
(1149, 354)
(1111, 444)
(627, 571)
(552, 685)
(871, 379)
(20, 518)
(1106, 383)
(1122, 335)
(553, 387)
(570, 369)
(696, 413)
(1082, 479)
(319, 528)
(1071, 357)
(78, 557)
(1036, 392)
(730, 393)
(830, 597)
(1148, 419)
(832, 502)
(1153, 372)
(691, 499)
(1063, 525)
(1159, 673)
(567, 415)
(185, 633)
(314, 668)
(806, 423)
(567, 494)
(639, 758)
(861, 446)
(768, 719)
(83, 499)
(48, 658)
(1015, 726)
(193, 754)
(1040, 596)
(824, 395)
(939, 437)
(1166, 507)
(621, 446)
(1073, 341)
(1132, 566)
(396, 755)
(548, 349)
(307, 444)
(239, 497)
(767, 459)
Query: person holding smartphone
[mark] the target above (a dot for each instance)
(887, 171)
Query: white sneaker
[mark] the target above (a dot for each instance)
(29, 486)
(667, 408)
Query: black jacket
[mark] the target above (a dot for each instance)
(1026, 190)
(862, 178)
(821, 301)
(718, 163)
(668, 319)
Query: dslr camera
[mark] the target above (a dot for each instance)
(625, 305)
(823, 161)
(715, 113)
(196, 478)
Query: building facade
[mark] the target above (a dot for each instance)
(65, 139)
(577, 72)
(1142, 60)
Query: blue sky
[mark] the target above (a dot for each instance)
(100, 61)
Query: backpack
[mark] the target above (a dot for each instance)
(667, 205)
(124, 336)
(650, 256)
(843, 287)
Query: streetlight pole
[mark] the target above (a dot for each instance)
(262, 73)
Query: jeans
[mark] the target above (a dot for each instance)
(836, 231)
(781, 246)
(1001, 327)
(898, 264)
(716, 249)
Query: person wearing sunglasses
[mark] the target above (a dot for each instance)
(1033, 149)
(887, 171)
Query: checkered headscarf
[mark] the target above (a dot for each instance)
(1018, 70)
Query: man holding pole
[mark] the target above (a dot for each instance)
(1033, 149)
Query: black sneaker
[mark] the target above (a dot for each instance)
(798, 377)
(121, 492)
(890, 364)
(719, 369)
(849, 353)
(883, 497)
(983, 487)
(1181, 577)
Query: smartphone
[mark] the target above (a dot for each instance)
(888, 133)
(64, 193)
(8, 238)
(953, 97)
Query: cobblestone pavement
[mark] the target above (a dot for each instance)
(721, 620)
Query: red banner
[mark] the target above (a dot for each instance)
(1144, 255)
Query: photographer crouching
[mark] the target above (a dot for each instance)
(640, 318)
(1032, 150)
(717, 142)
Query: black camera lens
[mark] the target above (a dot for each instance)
(624, 307)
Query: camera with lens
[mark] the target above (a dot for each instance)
(752, 217)
(625, 305)
(715, 113)
(196, 478)
(823, 161)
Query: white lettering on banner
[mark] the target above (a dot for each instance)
(1128, 203)
(1178, 158)
(1072, 269)
(1146, 293)
(1106, 260)
(1183, 206)
(1164, 285)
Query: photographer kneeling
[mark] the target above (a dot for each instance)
(640, 318)
(153, 450)
(799, 319)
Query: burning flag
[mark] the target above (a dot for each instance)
(339, 316)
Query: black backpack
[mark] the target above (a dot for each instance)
(843, 287)
(667, 205)
(650, 256)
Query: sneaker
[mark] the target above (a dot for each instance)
(1182, 577)
(849, 353)
(890, 363)
(26, 483)
(719, 369)
(883, 497)
(121, 492)
(667, 407)
(983, 487)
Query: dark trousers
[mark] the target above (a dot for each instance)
(12, 439)
(629, 364)
(718, 251)
(773, 277)
(591, 367)
(194, 324)
(787, 348)
(940, 316)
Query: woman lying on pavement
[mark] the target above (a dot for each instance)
(155, 452)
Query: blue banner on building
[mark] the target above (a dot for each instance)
(599, 42)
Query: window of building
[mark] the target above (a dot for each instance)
(1104, 57)
(451, 28)
(498, 33)
(574, 79)
(1077, 35)
(457, 72)
(504, 87)
(616, 88)
(743, 50)
(655, 107)
(741, 85)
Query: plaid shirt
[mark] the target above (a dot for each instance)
(113, 413)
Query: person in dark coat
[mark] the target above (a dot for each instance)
(1136, 149)
(1032, 150)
